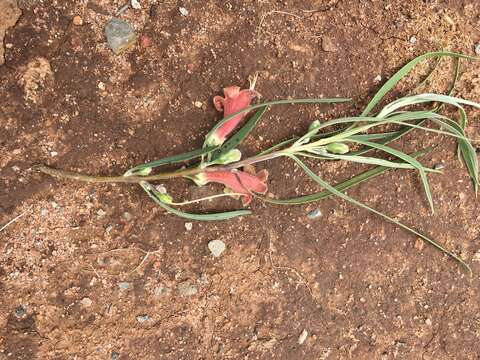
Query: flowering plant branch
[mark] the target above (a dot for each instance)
(220, 161)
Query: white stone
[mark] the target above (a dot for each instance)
(216, 247)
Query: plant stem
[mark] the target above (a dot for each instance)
(63, 174)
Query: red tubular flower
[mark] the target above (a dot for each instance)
(238, 181)
(235, 100)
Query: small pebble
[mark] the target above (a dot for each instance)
(188, 226)
(86, 302)
(328, 45)
(439, 166)
(183, 11)
(216, 247)
(314, 214)
(161, 290)
(53, 153)
(77, 20)
(161, 189)
(476, 256)
(302, 337)
(198, 104)
(127, 216)
(186, 288)
(101, 86)
(135, 4)
(123, 285)
(378, 78)
(413, 39)
(477, 49)
(20, 311)
(428, 322)
(114, 355)
(120, 35)
(101, 212)
(9, 45)
(143, 318)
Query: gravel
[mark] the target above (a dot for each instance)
(143, 318)
(303, 336)
(120, 35)
(20, 311)
(186, 288)
(86, 302)
(314, 214)
(477, 49)
(124, 285)
(216, 247)
(161, 290)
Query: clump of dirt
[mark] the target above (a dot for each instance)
(36, 77)
(9, 14)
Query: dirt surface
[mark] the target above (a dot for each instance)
(76, 281)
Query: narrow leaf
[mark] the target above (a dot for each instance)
(408, 159)
(171, 159)
(390, 84)
(201, 217)
(241, 134)
(278, 102)
(354, 181)
(332, 189)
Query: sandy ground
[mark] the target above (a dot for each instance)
(100, 272)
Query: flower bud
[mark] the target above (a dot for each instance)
(142, 172)
(337, 148)
(314, 125)
(165, 198)
(229, 157)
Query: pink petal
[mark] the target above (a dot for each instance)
(239, 182)
(235, 100)
(218, 102)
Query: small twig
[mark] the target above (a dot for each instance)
(147, 254)
(123, 9)
(141, 263)
(13, 220)
(95, 271)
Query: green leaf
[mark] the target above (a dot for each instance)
(374, 161)
(407, 158)
(392, 136)
(424, 98)
(390, 84)
(402, 132)
(277, 102)
(354, 181)
(240, 135)
(334, 191)
(201, 217)
(465, 149)
(171, 160)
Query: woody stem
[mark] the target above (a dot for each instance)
(63, 174)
